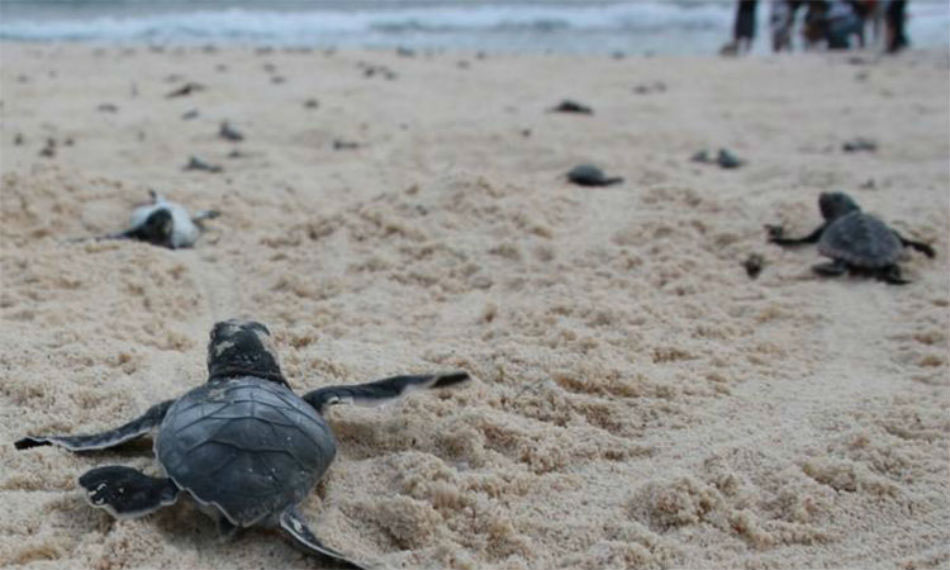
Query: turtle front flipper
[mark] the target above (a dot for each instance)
(777, 236)
(920, 246)
(125, 492)
(136, 428)
(380, 391)
(295, 525)
(201, 215)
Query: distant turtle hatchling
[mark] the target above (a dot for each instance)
(855, 241)
(165, 223)
(590, 175)
(243, 444)
(724, 158)
(571, 106)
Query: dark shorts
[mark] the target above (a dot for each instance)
(745, 19)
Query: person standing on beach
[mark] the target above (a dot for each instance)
(743, 33)
(894, 33)
(843, 22)
(874, 15)
(782, 20)
(815, 30)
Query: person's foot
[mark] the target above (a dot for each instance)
(730, 49)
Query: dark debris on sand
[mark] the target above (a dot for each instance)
(859, 144)
(648, 88)
(753, 265)
(185, 90)
(340, 144)
(195, 163)
(724, 158)
(229, 133)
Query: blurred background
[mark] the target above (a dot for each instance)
(670, 27)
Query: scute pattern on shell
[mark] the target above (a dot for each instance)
(249, 446)
(860, 240)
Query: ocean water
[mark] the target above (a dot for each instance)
(591, 26)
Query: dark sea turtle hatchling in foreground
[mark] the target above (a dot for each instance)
(242, 444)
(164, 223)
(854, 241)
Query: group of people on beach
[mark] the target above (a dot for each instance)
(834, 24)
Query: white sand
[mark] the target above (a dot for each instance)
(639, 402)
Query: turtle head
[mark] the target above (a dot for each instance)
(158, 227)
(836, 204)
(242, 348)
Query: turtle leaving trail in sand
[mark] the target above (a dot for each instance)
(590, 175)
(242, 443)
(855, 241)
(570, 106)
(165, 223)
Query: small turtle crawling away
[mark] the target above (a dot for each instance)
(855, 241)
(570, 106)
(590, 175)
(165, 224)
(242, 444)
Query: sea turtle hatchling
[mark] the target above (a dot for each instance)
(243, 445)
(855, 241)
(165, 223)
(590, 175)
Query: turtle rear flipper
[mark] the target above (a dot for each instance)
(125, 492)
(831, 269)
(892, 275)
(292, 522)
(920, 246)
(380, 391)
(136, 428)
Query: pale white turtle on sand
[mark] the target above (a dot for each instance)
(165, 223)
